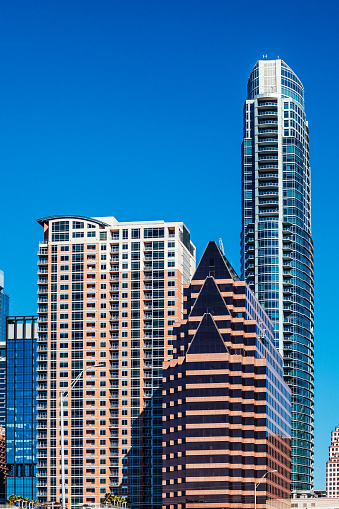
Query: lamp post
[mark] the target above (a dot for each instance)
(63, 395)
(256, 484)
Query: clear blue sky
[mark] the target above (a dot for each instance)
(134, 109)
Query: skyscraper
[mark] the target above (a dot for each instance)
(226, 407)
(4, 310)
(276, 242)
(332, 466)
(109, 293)
(21, 408)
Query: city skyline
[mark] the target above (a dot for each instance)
(140, 98)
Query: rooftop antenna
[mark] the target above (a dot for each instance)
(221, 245)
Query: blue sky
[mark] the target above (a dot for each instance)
(134, 109)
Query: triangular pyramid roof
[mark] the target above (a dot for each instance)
(214, 263)
(209, 300)
(207, 338)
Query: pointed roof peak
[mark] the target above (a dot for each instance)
(207, 338)
(209, 300)
(214, 263)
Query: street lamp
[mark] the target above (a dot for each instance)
(256, 484)
(63, 395)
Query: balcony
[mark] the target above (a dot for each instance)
(270, 176)
(43, 261)
(263, 141)
(267, 121)
(267, 114)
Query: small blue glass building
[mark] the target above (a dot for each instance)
(21, 411)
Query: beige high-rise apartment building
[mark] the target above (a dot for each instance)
(332, 466)
(108, 295)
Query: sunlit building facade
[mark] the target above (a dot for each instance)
(277, 247)
(109, 293)
(332, 466)
(226, 407)
(4, 311)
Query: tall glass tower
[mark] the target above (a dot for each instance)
(276, 242)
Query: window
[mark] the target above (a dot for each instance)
(136, 233)
(150, 233)
(103, 235)
(77, 225)
(125, 234)
(171, 254)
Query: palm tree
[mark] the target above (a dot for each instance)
(20, 499)
(108, 498)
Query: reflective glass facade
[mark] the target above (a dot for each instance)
(276, 244)
(21, 411)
